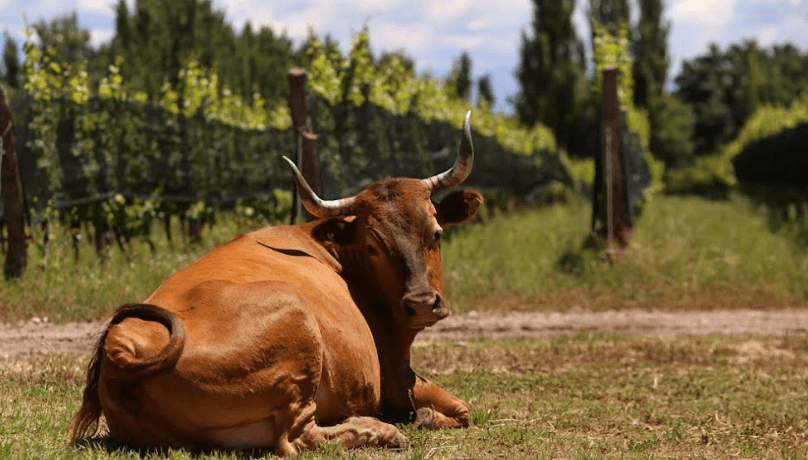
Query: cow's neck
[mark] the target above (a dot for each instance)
(393, 344)
(393, 340)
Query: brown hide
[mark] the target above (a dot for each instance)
(287, 336)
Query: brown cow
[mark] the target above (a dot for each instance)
(290, 336)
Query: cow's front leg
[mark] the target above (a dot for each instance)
(306, 435)
(437, 408)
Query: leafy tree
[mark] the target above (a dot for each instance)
(725, 87)
(11, 62)
(552, 87)
(263, 60)
(650, 47)
(485, 92)
(671, 121)
(461, 75)
(702, 84)
(65, 38)
(123, 37)
(614, 15)
(330, 46)
(785, 74)
(752, 82)
(672, 124)
(406, 60)
(156, 38)
(610, 13)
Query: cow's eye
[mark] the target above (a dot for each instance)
(438, 235)
(372, 250)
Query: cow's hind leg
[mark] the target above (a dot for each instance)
(353, 433)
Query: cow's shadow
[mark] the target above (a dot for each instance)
(110, 446)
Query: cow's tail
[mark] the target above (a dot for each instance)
(85, 422)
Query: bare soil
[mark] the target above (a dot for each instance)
(39, 336)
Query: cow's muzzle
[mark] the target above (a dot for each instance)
(424, 308)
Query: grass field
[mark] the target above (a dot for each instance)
(586, 396)
(686, 253)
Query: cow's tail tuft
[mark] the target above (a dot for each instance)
(85, 422)
(90, 411)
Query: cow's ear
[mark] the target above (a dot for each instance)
(339, 231)
(458, 207)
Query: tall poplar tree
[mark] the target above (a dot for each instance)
(651, 60)
(156, 37)
(485, 91)
(551, 72)
(671, 121)
(610, 13)
(753, 80)
(461, 73)
(11, 62)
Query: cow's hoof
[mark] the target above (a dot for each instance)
(425, 417)
(368, 431)
(399, 441)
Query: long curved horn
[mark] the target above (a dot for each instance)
(462, 167)
(316, 206)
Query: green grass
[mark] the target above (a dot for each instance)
(585, 396)
(686, 253)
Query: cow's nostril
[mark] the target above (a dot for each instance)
(425, 302)
(438, 302)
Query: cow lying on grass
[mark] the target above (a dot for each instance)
(290, 336)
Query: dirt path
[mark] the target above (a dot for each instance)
(42, 337)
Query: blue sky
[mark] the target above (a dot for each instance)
(435, 32)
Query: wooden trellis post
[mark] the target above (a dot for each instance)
(11, 186)
(609, 203)
(306, 138)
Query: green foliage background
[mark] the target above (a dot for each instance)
(115, 156)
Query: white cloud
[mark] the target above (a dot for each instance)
(232, 5)
(481, 24)
(704, 12)
(97, 6)
(793, 3)
(297, 23)
(792, 29)
(413, 38)
(463, 42)
(447, 10)
(384, 5)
